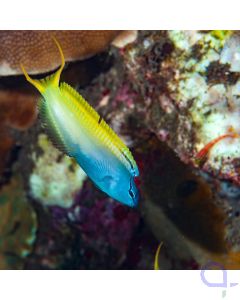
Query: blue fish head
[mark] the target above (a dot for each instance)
(122, 189)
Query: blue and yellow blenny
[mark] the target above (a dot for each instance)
(79, 131)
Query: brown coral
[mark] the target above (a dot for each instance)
(18, 111)
(38, 53)
(185, 198)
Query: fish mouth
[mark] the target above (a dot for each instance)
(135, 200)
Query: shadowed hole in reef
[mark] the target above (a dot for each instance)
(186, 188)
(12, 157)
(78, 73)
(185, 198)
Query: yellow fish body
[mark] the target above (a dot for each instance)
(78, 130)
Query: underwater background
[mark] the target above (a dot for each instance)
(173, 98)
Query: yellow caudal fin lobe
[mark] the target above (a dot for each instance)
(156, 265)
(37, 83)
(52, 80)
(56, 76)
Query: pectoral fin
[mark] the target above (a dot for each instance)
(109, 182)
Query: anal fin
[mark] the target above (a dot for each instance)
(52, 129)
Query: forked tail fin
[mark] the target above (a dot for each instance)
(52, 80)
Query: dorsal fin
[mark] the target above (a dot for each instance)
(74, 95)
(81, 105)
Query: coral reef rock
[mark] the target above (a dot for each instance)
(55, 177)
(190, 84)
(17, 226)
